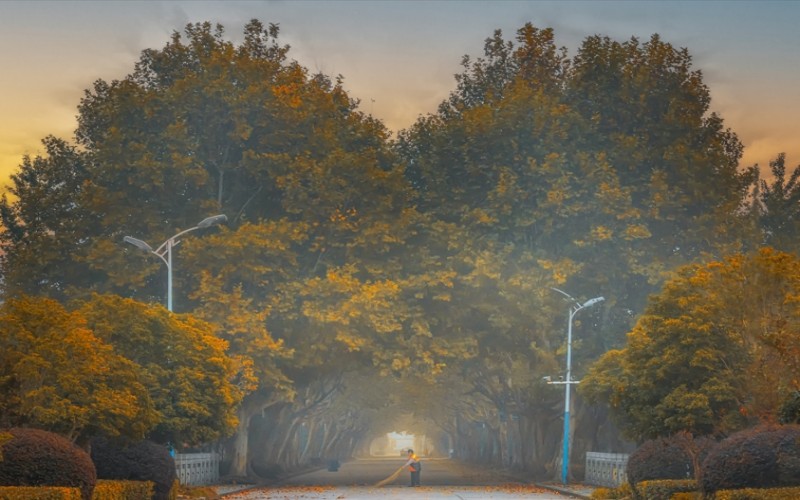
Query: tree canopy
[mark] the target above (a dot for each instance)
(56, 374)
(420, 260)
(713, 352)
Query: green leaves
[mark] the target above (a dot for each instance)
(697, 359)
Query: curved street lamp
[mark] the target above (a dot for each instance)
(164, 251)
(574, 307)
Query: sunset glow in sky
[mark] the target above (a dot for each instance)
(397, 57)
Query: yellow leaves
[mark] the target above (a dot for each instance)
(288, 94)
(556, 196)
(400, 364)
(636, 232)
(420, 327)
(602, 233)
(560, 270)
(612, 196)
(342, 279)
(481, 217)
(485, 265)
(340, 216)
(78, 378)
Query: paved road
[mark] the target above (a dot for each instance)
(441, 479)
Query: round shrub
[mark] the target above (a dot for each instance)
(142, 461)
(666, 458)
(34, 457)
(762, 457)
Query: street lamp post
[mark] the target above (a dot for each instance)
(164, 251)
(574, 307)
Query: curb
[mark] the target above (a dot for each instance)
(563, 491)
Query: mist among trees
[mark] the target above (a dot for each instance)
(368, 281)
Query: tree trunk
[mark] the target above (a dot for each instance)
(239, 463)
(252, 405)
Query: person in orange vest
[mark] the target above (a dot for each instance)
(415, 466)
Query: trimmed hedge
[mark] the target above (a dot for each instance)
(34, 457)
(762, 457)
(664, 489)
(687, 495)
(108, 489)
(142, 461)
(621, 492)
(39, 493)
(758, 494)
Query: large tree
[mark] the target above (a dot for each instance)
(776, 206)
(179, 359)
(715, 350)
(429, 257)
(597, 174)
(56, 374)
(44, 244)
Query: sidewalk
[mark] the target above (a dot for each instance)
(576, 490)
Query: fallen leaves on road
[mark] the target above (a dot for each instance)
(289, 492)
(315, 492)
(518, 488)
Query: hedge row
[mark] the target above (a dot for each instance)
(122, 490)
(758, 494)
(39, 493)
(104, 490)
(664, 489)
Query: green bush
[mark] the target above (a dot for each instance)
(35, 457)
(759, 494)
(108, 489)
(666, 458)
(762, 457)
(664, 489)
(143, 461)
(39, 493)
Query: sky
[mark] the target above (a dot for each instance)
(399, 57)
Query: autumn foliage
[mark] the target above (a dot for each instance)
(715, 352)
(357, 271)
(111, 366)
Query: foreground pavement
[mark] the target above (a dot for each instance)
(399, 493)
(441, 478)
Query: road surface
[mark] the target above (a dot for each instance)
(355, 480)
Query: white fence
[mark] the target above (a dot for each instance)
(606, 469)
(197, 469)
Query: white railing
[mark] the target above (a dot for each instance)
(606, 469)
(197, 469)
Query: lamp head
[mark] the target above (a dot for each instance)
(138, 243)
(593, 301)
(210, 221)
